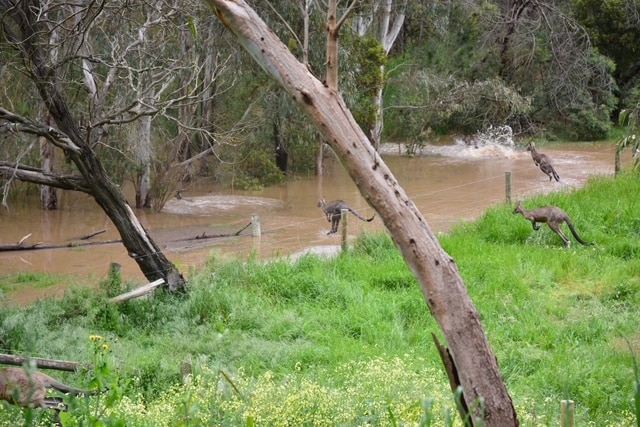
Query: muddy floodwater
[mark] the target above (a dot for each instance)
(448, 183)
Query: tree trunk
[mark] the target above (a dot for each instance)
(378, 123)
(320, 158)
(48, 195)
(436, 271)
(387, 35)
(142, 144)
(332, 46)
(33, 40)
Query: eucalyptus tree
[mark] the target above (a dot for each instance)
(470, 362)
(382, 21)
(302, 23)
(95, 72)
(547, 54)
(614, 28)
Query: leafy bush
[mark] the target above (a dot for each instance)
(258, 170)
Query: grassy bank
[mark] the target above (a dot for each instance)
(348, 341)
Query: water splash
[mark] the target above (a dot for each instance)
(501, 135)
(493, 142)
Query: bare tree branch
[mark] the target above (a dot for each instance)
(37, 176)
(16, 123)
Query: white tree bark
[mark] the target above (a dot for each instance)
(143, 156)
(436, 271)
(386, 35)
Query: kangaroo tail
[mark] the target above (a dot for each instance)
(575, 234)
(360, 217)
(555, 175)
(52, 383)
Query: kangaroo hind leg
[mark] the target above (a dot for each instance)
(556, 228)
(335, 221)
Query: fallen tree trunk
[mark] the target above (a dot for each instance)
(59, 365)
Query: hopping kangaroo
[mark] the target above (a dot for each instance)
(543, 162)
(333, 212)
(21, 387)
(554, 217)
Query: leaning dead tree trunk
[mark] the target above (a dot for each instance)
(25, 30)
(436, 271)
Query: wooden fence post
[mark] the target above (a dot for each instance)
(255, 226)
(507, 177)
(344, 219)
(567, 410)
(256, 232)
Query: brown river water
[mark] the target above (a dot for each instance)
(449, 183)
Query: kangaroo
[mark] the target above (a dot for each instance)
(27, 389)
(332, 211)
(543, 162)
(554, 217)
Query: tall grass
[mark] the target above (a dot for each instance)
(347, 341)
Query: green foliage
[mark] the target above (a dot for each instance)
(11, 282)
(628, 121)
(112, 284)
(347, 341)
(366, 59)
(591, 125)
(369, 56)
(447, 104)
(636, 384)
(614, 32)
(258, 169)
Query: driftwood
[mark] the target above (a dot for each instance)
(95, 233)
(59, 365)
(20, 246)
(138, 291)
(211, 236)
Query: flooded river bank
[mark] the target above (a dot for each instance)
(452, 183)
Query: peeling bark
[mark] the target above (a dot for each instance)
(436, 271)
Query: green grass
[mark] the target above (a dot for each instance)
(26, 280)
(348, 341)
